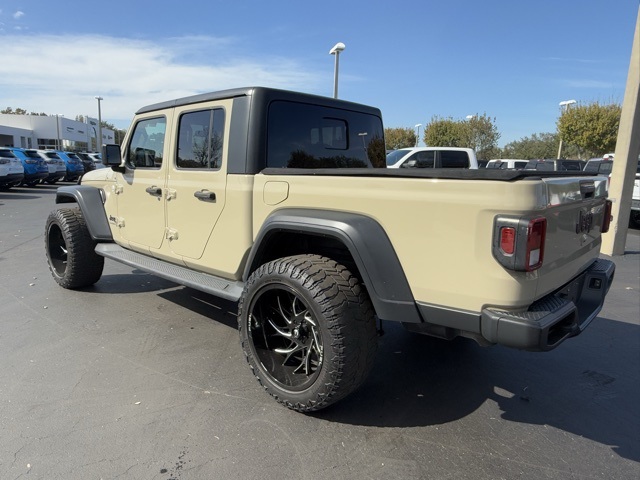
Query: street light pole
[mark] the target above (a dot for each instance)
(337, 48)
(417, 127)
(58, 132)
(564, 104)
(99, 142)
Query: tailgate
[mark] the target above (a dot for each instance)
(575, 213)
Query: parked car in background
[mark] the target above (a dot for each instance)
(11, 169)
(599, 165)
(57, 167)
(558, 165)
(73, 164)
(94, 158)
(507, 164)
(35, 168)
(432, 157)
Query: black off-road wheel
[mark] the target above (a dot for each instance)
(308, 331)
(71, 250)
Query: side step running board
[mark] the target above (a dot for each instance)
(204, 282)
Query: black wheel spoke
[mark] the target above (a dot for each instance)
(286, 338)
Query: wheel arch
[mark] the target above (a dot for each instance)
(357, 241)
(89, 200)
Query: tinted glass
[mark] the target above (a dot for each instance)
(605, 167)
(31, 153)
(425, 159)
(394, 156)
(310, 136)
(147, 144)
(592, 166)
(7, 154)
(200, 137)
(569, 165)
(453, 159)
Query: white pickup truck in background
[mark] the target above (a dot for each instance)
(432, 157)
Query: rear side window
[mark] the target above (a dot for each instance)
(147, 143)
(200, 136)
(592, 166)
(454, 159)
(7, 154)
(605, 167)
(568, 165)
(311, 136)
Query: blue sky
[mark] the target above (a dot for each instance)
(512, 60)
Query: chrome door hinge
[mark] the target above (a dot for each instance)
(116, 189)
(171, 194)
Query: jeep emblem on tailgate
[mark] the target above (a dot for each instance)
(585, 221)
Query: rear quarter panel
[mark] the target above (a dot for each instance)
(442, 232)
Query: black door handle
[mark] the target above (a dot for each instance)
(205, 195)
(155, 191)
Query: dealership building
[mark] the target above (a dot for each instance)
(52, 132)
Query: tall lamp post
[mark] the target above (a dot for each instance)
(564, 104)
(99, 142)
(58, 132)
(337, 48)
(417, 127)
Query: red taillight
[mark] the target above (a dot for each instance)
(508, 240)
(606, 221)
(518, 242)
(536, 232)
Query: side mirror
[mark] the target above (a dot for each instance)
(112, 157)
(408, 164)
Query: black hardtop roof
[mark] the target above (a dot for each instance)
(263, 94)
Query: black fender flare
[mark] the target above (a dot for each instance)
(367, 243)
(89, 199)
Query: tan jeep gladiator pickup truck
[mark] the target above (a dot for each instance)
(282, 202)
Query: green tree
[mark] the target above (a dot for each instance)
(593, 128)
(482, 136)
(399, 138)
(20, 111)
(478, 132)
(445, 132)
(538, 145)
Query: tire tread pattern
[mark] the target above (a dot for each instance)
(84, 265)
(349, 316)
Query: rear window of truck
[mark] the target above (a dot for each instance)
(312, 136)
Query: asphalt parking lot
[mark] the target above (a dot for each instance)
(138, 378)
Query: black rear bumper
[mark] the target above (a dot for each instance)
(555, 317)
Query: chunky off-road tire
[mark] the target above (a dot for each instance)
(308, 331)
(71, 250)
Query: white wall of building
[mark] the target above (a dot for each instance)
(69, 132)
